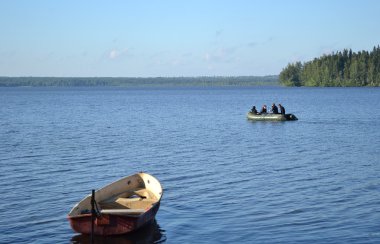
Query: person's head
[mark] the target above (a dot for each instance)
(279, 105)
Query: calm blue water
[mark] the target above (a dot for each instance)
(225, 179)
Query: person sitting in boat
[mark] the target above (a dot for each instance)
(253, 110)
(274, 109)
(282, 109)
(263, 109)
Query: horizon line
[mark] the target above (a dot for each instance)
(199, 76)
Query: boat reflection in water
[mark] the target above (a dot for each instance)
(151, 233)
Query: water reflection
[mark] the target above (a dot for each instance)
(152, 233)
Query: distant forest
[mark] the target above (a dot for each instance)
(142, 82)
(345, 68)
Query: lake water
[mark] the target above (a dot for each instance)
(225, 179)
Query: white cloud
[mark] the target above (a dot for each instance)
(207, 57)
(113, 54)
(116, 53)
(221, 55)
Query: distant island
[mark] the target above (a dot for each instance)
(344, 68)
(202, 81)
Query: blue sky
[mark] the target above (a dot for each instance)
(178, 38)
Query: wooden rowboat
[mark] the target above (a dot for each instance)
(271, 117)
(121, 207)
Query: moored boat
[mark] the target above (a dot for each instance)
(121, 207)
(271, 117)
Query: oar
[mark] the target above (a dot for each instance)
(92, 215)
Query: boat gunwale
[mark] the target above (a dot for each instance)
(83, 202)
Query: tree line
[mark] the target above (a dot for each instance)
(202, 81)
(343, 68)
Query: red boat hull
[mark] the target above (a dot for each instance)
(112, 224)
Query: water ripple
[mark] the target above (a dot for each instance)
(226, 179)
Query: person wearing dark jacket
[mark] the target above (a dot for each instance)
(282, 109)
(274, 109)
(263, 109)
(253, 110)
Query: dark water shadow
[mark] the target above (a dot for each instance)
(151, 233)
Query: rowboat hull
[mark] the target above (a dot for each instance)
(271, 117)
(124, 206)
(108, 224)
